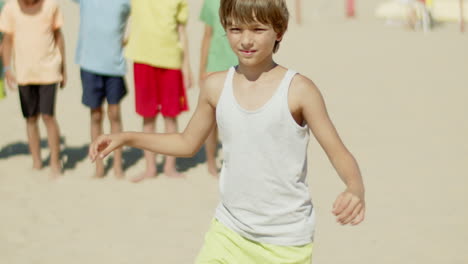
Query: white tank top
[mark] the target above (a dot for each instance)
(264, 194)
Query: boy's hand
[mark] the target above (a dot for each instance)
(11, 80)
(349, 207)
(103, 145)
(64, 79)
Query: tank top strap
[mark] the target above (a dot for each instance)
(286, 83)
(229, 78)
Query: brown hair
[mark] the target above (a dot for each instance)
(268, 12)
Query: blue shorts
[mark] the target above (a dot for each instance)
(96, 87)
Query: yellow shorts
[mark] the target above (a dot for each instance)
(2, 91)
(224, 246)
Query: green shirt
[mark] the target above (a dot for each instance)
(220, 54)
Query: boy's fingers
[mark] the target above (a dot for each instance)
(92, 151)
(348, 210)
(337, 201)
(360, 217)
(342, 204)
(95, 147)
(353, 214)
(109, 147)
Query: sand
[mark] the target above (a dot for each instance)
(398, 99)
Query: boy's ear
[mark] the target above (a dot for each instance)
(279, 37)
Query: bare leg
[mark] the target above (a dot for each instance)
(169, 166)
(350, 8)
(149, 126)
(34, 141)
(115, 119)
(298, 12)
(210, 146)
(53, 138)
(96, 131)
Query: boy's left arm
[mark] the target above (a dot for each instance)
(186, 70)
(59, 39)
(349, 206)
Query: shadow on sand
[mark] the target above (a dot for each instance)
(71, 156)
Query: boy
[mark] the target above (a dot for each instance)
(264, 113)
(103, 67)
(216, 55)
(158, 46)
(32, 31)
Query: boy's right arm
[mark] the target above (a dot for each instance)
(184, 144)
(9, 76)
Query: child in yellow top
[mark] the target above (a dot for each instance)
(158, 46)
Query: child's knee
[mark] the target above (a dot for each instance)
(114, 116)
(96, 115)
(48, 118)
(31, 119)
(170, 119)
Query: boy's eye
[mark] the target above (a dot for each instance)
(259, 29)
(234, 29)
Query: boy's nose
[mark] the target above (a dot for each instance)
(246, 39)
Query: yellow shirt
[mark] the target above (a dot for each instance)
(154, 38)
(35, 52)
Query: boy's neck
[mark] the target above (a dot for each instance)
(253, 72)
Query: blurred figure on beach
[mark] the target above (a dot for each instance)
(417, 14)
(216, 55)
(34, 40)
(103, 67)
(350, 8)
(158, 47)
(2, 84)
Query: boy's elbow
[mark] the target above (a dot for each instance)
(191, 147)
(194, 148)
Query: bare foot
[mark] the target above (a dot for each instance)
(213, 169)
(55, 172)
(118, 173)
(145, 175)
(173, 173)
(37, 165)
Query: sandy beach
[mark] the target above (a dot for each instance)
(398, 98)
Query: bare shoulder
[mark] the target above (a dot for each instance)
(213, 86)
(304, 89)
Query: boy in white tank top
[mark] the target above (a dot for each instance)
(264, 113)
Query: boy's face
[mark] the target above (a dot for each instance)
(252, 43)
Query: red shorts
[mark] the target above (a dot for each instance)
(159, 90)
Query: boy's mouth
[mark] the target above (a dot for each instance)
(248, 52)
